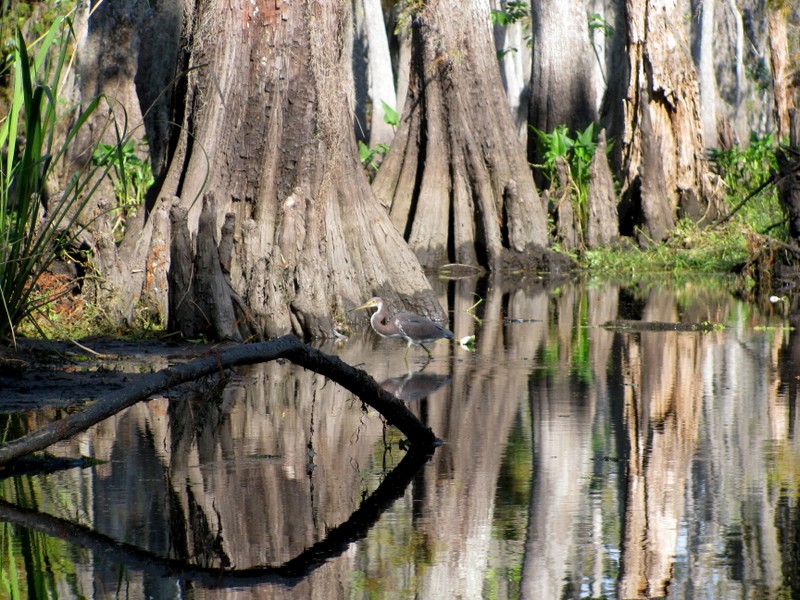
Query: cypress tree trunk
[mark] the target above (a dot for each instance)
(289, 231)
(562, 79)
(657, 125)
(456, 181)
(782, 86)
(602, 225)
(128, 52)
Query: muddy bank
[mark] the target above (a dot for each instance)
(47, 373)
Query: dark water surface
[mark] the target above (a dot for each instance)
(580, 461)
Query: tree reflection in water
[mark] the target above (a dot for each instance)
(579, 461)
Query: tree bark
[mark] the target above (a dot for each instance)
(562, 86)
(660, 154)
(456, 181)
(124, 56)
(268, 133)
(707, 78)
(381, 79)
(514, 56)
(602, 226)
(107, 59)
(567, 224)
(400, 50)
(743, 78)
(782, 91)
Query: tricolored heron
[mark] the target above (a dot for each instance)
(413, 328)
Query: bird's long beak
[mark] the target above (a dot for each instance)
(369, 304)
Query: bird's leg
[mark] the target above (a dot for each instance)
(428, 351)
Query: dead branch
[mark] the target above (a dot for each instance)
(287, 347)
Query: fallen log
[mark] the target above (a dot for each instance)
(287, 347)
(633, 325)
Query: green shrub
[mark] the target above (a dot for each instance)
(371, 158)
(747, 172)
(510, 12)
(132, 177)
(578, 153)
(36, 137)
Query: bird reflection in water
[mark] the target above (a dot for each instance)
(413, 328)
(415, 386)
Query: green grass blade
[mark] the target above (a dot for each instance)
(25, 70)
(46, 43)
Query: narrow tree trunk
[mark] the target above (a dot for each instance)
(372, 66)
(361, 83)
(380, 73)
(108, 56)
(707, 78)
(567, 223)
(782, 91)
(602, 226)
(744, 87)
(124, 56)
(562, 86)
(456, 181)
(514, 56)
(268, 135)
(400, 49)
(602, 40)
(155, 292)
(662, 166)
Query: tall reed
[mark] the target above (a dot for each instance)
(36, 140)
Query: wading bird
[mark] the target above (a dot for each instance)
(413, 328)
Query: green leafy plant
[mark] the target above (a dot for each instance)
(510, 13)
(747, 172)
(132, 177)
(36, 136)
(746, 168)
(578, 152)
(390, 115)
(371, 157)
(34, 19)
(689, 248)
(598, 23)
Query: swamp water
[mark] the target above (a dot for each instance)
(580, 461)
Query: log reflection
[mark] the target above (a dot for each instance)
(289, 573)
(220, 481)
